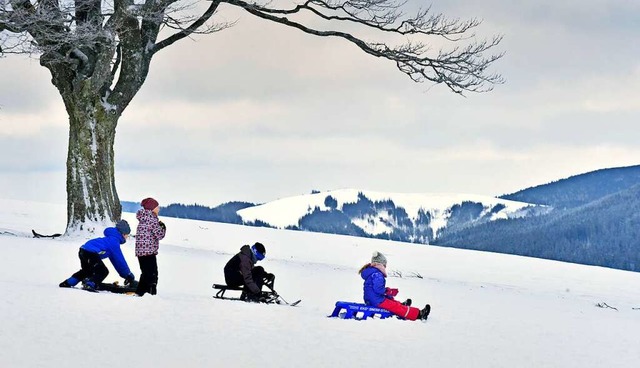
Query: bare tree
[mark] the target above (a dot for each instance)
(99, 52)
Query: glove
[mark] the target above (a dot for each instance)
(390, 292)
(162, 225)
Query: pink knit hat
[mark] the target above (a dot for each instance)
(149, 204)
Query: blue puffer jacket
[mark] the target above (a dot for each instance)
(109, 246)
(374, 286)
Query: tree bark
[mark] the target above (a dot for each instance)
(92, 199)
(91, 192)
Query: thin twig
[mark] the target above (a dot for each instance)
(395, 273)
(605, 305)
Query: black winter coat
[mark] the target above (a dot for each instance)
(238, 270)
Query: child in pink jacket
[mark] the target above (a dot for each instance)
(148, 235)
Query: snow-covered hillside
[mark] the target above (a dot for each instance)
(437, 208)
(489, 310)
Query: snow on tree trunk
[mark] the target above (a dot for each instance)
(92, 199)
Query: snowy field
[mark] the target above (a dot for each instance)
(488, 310)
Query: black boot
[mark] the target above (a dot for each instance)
(89, 285)
(65, 284)
(269, 296)
(424, 313)
(254, 297)
(407, 302)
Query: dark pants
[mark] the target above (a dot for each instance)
(235, 279)
(149, 275)
(92, 267)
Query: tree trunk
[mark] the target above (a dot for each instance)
(84, 63)
(94, 110)
(83, 82)
(92, 200)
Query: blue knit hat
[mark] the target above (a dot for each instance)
(123, 227)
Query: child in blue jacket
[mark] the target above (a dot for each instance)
(377, 294)
(93, 271)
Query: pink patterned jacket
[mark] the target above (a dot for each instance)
(148, 234)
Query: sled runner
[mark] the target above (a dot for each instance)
(268, 297)
(115, 288)
(223, 288)
(37, 235)
(358, 311)
(109, 287)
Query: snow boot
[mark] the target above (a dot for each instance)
(407, 302)
(153, 290)
(89, 285)
(424, 313)
(69, 283)
(252, 297)
(133, 284)
(269, 297)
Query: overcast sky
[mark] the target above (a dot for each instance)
(259, 112)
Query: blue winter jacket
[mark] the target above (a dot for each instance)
(109, 246)
(374, 286)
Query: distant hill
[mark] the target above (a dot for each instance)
(590, 218)
(128, 206)
(581, 189)
(398, 216)
(605, 232)
(226, 212)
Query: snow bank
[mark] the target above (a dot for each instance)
(489, 310)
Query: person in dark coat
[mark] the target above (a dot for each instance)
(377, 294)
(241, 271)
(93, 271)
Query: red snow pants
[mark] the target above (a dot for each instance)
(400, 309)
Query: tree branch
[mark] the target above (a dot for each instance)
(88, 11)
(153, 14)
(116, 64)
(460, 69)
(77, 35)
(133, 62)
(378, 15)
(189, 30)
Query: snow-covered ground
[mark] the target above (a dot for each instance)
(489, 310)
